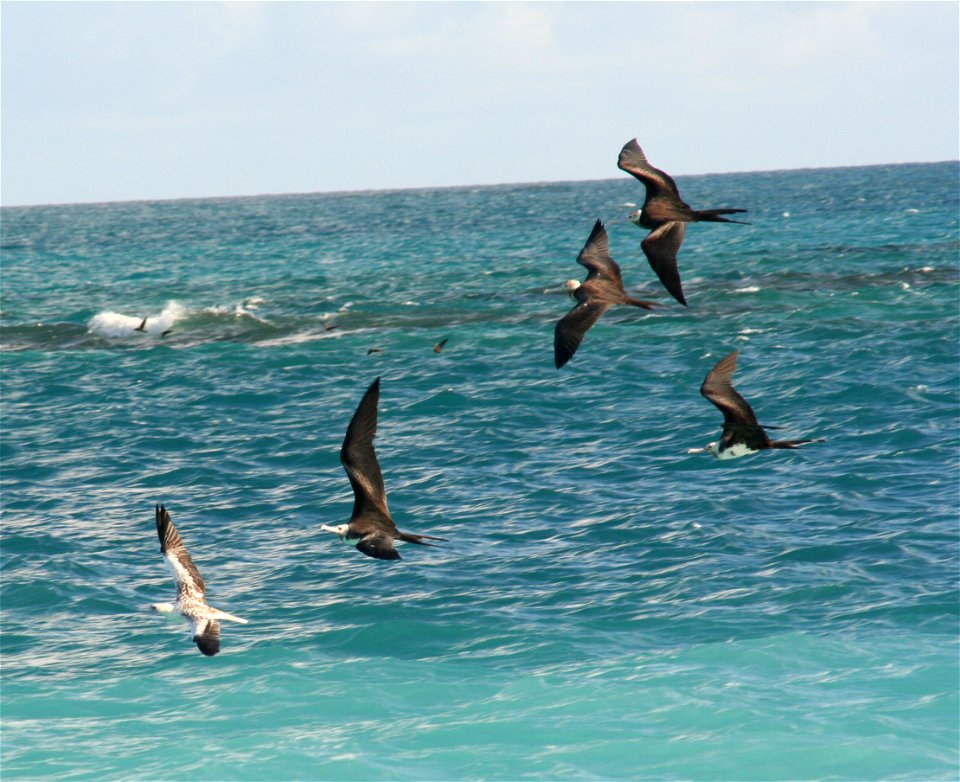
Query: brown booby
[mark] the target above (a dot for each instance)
(742, 435)
(371, 528)
(664, 213)
(602, 290)
(190, 604)
(439, 346)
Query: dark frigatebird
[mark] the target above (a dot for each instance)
(742, 435)
(370, 529)
(664, 213)
(602, 290)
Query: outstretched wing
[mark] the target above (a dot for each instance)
(360, 460)
(378, 545)
(718, 387)
(661, 247)
(572, 327)
(185, 572)
(206, 635)
(633, 161)
(595, 256)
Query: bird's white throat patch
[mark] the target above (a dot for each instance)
(341, 532)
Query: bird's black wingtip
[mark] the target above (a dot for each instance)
(208, 646)
(598, 229)
(161, 517)
(386, 554)
(678, 296)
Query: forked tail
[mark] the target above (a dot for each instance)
(647, 305)
(420, 540)
(793, 443)
(713, 216)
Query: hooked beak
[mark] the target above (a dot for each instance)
(164, 609)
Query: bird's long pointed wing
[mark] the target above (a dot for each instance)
(572, 327)
(206, 635)
(661, 247)
(718, 388)
(633, 161)
(378, 545)
(595, 256)
(360, 460)
(185, 572)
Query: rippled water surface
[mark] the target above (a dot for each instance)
(608, 606)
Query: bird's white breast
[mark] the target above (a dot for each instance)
(735, 451)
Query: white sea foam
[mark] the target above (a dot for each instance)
(299, 338)
(115, 325)
(242, 309)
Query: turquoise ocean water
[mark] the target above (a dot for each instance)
(608, 606)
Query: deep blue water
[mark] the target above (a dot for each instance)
(608, 606)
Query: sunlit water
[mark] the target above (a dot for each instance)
(608, 606)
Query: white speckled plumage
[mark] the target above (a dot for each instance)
(191, 605)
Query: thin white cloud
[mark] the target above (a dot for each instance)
(124, 100)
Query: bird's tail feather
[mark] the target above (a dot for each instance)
(420, 540)
(647, 305)
(713, 216)
(229, 617)
(793, 443)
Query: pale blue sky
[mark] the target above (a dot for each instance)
(131, 100)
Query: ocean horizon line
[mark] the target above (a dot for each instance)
(415, 188)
